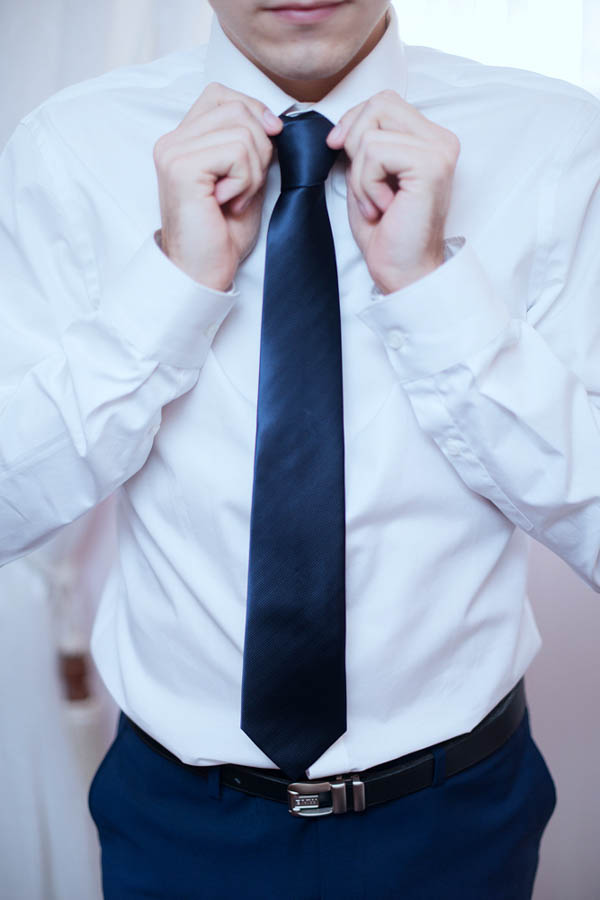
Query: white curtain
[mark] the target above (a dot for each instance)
(47, 44)
(559, 38)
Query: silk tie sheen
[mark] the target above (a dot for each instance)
(294, 677)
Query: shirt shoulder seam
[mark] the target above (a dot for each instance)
(62, 188)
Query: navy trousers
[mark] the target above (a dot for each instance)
(171, 834)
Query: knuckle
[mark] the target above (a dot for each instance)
(238, 109)
(265, 147)
(213, 88)
(240, 150)
(387, 95)
(454, 145)
(161, 147)
(450, 145)
(265, 161)
(368, 146)
(355, 182)
(243, 135)
(442, 166)
(352, 144)
(370, 140)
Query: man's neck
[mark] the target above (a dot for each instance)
(312, 91)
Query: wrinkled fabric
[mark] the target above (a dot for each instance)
(471, 398)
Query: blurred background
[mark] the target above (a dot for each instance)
(56, 721)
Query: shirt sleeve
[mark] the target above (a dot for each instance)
(514, 402)
(83, 376)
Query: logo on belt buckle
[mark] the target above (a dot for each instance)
(304, 800)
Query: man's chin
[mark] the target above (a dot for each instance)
(307, 70)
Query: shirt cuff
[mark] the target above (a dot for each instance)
(439, 320)
(163, 312)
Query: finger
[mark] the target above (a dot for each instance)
(239, 135)
(244, 178)
(230, 115)
(383, 159)
(225, 188)
(223, 166)
(168, 156)
(337, 135)
(216, 94)
(386, 110)
(386, 119)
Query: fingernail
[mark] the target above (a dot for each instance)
(271, 120)
(364, 210)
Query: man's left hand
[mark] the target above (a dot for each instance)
(399, 187)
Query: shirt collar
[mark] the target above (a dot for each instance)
(384, 67)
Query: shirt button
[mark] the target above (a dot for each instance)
(453, 447)
(211, 331)
(396, 339)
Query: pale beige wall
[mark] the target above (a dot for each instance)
(563, 686)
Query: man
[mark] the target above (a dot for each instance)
(317, 627)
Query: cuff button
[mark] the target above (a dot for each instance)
(453, 447)
(396, 339)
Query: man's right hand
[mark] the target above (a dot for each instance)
(211, 174)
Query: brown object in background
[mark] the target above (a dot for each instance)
(74, 675)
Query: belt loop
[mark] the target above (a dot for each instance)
(214, 782)
(439, 766)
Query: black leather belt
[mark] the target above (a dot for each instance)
(386, 781)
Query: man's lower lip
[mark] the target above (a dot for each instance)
(306, 16)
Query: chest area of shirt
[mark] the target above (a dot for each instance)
(367, 374)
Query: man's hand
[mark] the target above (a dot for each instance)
(211, 172)
(399, 187)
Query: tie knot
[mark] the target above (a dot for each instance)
(304, 157)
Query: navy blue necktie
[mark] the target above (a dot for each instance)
(294, 676)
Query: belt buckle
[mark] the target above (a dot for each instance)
(303, 796)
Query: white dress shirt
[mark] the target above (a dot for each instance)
(470, 397)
